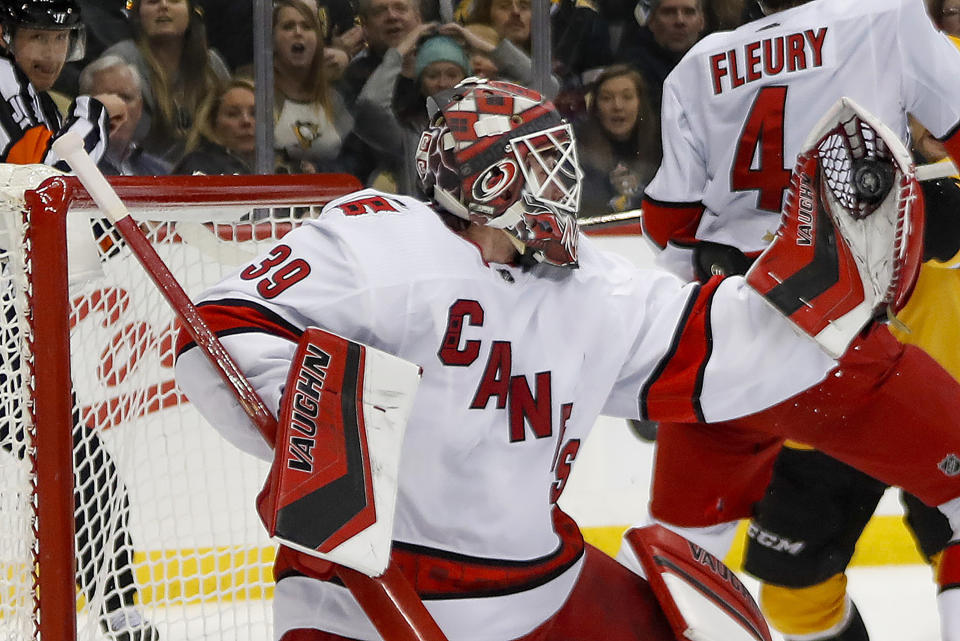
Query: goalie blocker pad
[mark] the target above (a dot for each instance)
(850, 240)
(332, 487)
(702, 598)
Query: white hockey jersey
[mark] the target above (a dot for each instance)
(517, 365)
(740, 104)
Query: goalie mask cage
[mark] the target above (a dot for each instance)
(164, 505)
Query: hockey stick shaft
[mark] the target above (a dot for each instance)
(389, 600)
(611, 218)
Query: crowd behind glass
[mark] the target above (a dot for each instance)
(351, 77)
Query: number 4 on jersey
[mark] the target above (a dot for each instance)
(762, 141)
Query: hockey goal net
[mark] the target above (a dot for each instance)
(163, 507)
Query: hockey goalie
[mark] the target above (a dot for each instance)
(489, 327)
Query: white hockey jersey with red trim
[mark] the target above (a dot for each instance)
(517, 365)
(739, 105)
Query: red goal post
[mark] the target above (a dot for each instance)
(180, 498)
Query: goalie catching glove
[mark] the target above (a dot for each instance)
(850, 241)
(333, 484)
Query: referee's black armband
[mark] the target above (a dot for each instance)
(941, 239)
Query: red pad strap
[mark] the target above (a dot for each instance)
(320, 489)
(677, 568)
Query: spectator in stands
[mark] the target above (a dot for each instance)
(231, 34)
(657, 43)
(481, 63)
(391, 111)
(494, 57)
(106, 24)
(385, 23)
(223, 138)
(510, 18)
(311, 120)
(169, 50)
(339, 24)
(617, 144)
(584, 32)
(430, 58)
(111, 75)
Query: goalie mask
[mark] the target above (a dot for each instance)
(499, 155)
(47, 15)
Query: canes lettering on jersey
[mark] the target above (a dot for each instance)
(511, 391)
(767, 58)
(563, 458)
(450, 352)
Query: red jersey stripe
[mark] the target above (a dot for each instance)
(663, 222)
(233, 316)
(673, 392)
(436, 574)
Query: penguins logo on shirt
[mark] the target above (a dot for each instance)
(306, 132)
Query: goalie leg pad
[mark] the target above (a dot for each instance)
(333, 483)
(703, 599)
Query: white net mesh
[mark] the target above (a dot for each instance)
(164, 507)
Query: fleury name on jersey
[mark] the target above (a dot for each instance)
(766, 58)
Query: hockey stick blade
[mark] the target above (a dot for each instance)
(390, 601)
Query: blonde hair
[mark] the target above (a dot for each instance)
(318, 86)
(484, 31)
(198, 78)
(205, 124)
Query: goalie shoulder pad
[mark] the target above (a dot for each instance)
(850, 240)
(703, 599)
(332, 487)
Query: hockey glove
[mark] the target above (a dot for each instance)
(850, 241)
